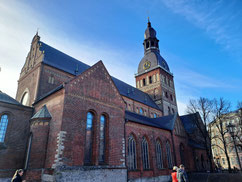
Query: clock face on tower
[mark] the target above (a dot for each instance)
(146, 65)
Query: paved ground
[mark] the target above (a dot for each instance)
(215, 177)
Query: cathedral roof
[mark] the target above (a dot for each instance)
(164, 122)
(42, 113)
(7, 99)
(150, 32)
(155, 59)
(152, 55)
(62, 61)
(133, 93)
(189, 122)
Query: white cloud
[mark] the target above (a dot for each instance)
(181, 107)
(20, 23)
(212, 17)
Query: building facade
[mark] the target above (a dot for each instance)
(220, 159)
(85, 124)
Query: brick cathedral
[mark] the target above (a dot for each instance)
(75, 122)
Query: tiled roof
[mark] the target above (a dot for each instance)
(133, 93)
(42, 113)
(58, 59)
(49, 93)
(62, 61)
(189, 122)
(165, 122)
(6, 98)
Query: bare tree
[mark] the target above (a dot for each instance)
(204, 107)
(238, 133)
(221, 108)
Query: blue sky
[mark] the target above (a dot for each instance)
(201, 40)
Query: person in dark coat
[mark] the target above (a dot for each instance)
(181, 174)
(18, 176)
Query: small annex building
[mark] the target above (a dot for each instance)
(74, 122)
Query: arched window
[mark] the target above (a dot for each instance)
(166, 95)
(202, 161)
(150, 79)
(145, 154)
(144, 83)
(141, 111)
(173, 111)
(3, 127)
(131, 153)
(182, 154)
(155, 115)
(25, 99)
(103, 122)
(88, 145)
(169, 110)
(159, 155)
(168, 152)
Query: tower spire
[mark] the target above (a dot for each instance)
(149, 24)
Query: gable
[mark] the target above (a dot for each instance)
(179, 128)
(95, 84)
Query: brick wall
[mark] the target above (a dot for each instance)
(93, 91)
(12, 156)
(152, 134)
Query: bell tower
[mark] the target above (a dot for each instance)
(154, 76)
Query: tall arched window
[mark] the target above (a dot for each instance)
(88, 145)
(131, 153)
(145, 154)
(103, 122)
(182, 154)
(3, 127)
(168, 152)
(25, 99)
(202, 161)
(159, 155)
(141, 111)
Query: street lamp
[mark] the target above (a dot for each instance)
(231, 129)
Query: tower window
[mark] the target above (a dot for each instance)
(25, 99)
(150, 79)
(171, 97)
(155, 116)
(141, 111)
(173, 111)
(152, 43)
(144, 83)
(147, 45)
(51, 79)
(169, 110)
(166, 95)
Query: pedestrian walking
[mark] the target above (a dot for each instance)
(18, 176)
(181, 174)
(174, 174)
